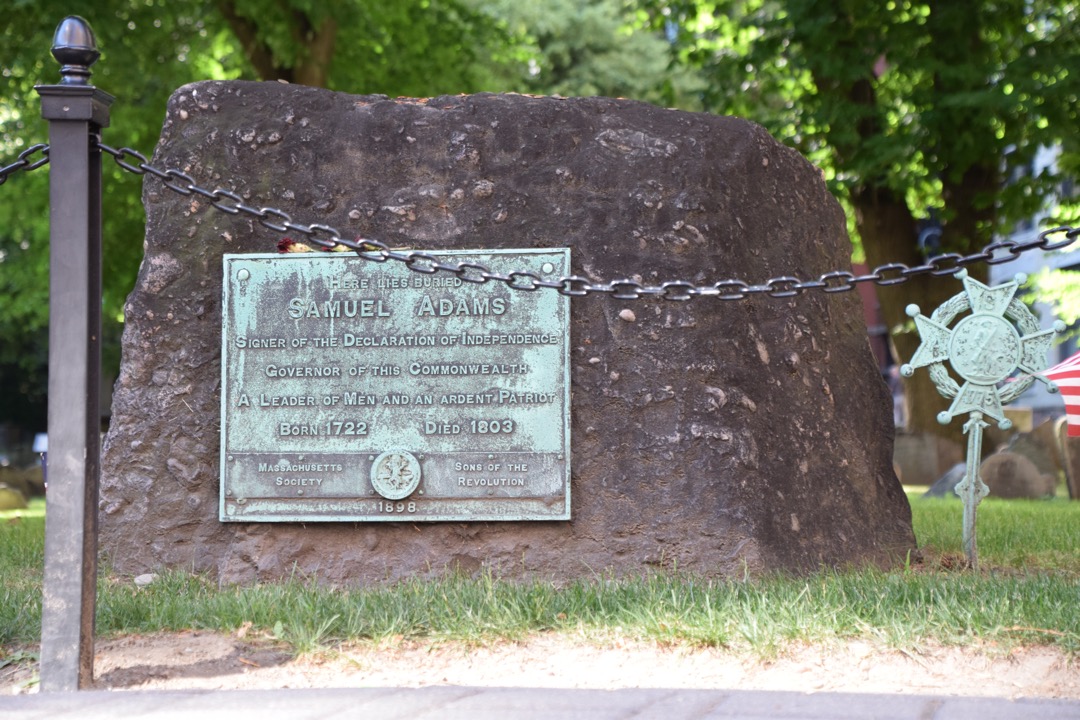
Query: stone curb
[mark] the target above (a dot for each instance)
(479, 703)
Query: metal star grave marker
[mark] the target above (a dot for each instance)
(984, 349)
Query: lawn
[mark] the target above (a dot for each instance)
(1028, 535)
(1026, 592)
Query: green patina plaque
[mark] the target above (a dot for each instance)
(362, 391)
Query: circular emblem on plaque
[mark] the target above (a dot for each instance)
(395, 474)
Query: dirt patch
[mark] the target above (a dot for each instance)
(215, 661)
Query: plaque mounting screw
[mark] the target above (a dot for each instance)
(491, 457)
(243, 275)
(299, 492)
(547, 267)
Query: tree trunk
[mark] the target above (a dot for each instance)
(315, 47)
(257, 53)
(313, 67)
(888, 233)
(960, 145)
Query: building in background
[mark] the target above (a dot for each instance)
(1043, 404)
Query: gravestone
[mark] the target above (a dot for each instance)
(1040, 447)
(924, 458)
(1012, 475)
(28, 481)
(11, 498)
(945, 485)
(1045, 436)
(718, 437)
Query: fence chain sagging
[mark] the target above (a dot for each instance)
(24, 162)
(327, 237)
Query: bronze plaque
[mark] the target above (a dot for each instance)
(353, 390)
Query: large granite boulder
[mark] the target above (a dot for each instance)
(718, 437)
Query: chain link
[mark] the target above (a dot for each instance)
(327, 237)
(23, 162)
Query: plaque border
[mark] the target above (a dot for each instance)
(472, 254)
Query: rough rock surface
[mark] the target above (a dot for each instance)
(716, 437)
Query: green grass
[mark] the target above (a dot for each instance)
(1027, 591)
(1018, 534)
(22, 558)
(898, 609)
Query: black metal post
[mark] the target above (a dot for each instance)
(76, 112)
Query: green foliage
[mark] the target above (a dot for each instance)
(903, 104)
(151, 47)
(1061, 289)
(414, 47)
(596, 47)
(910, 107)
(911, 96)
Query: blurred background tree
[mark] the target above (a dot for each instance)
(147, 52)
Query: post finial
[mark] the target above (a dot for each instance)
(75, 48)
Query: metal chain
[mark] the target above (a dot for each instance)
(327, 237)
(24, 162)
